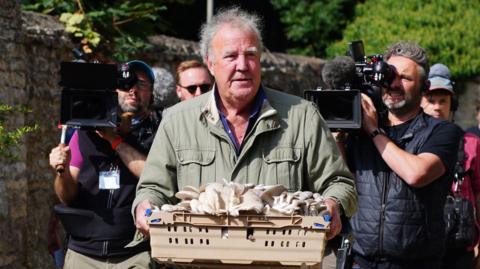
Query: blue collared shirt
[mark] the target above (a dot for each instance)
(254, 113)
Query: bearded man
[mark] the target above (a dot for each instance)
(403, 165)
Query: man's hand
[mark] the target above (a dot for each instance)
(141, 219)
(335, 222)
(339, 137)
(108, 134)
(369, 114)
(60, 157)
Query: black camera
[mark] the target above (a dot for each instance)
(346, 78)
(371, 70)
(89, 98)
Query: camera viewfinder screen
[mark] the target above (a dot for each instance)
(340, 109)
(88, 107)
(93, 108)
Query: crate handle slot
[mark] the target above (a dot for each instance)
(250, 236)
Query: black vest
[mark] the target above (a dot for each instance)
(106, 225)
(396, 222)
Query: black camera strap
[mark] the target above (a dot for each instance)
(459, 172)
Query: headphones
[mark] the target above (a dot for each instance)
(454, 103)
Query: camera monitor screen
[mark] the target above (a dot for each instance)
(89, 98)
(89, 108)
(340, 109)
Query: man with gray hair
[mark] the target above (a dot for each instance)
(403, 163)
(243, 132)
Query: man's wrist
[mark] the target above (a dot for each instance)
(377, 131)
(338, 203)
(115, 142)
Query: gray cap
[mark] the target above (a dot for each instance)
(439, 77)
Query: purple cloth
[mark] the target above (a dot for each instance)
(470, 188)
(77, 159)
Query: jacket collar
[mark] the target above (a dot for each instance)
(211, 114)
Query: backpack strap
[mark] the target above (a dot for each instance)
(459, 172)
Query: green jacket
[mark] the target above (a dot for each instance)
(289, 144)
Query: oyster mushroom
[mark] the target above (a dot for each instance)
(186, 195)
(271, 192)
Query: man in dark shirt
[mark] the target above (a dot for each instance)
(401, 164)
(440, 102)
(97, 186)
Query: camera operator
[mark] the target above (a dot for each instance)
(440, 102)
(101, 171)
(403, 165)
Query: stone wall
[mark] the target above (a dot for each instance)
(31, 48)
(469, 96)
(13, 181)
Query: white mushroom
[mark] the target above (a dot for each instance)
(190, 188)
(186, 195)
(250, 202)
(271, 192)
(173, 208)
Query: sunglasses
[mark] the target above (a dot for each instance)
(140, 84)
(193, 88)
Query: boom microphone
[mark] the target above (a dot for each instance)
(339, 72)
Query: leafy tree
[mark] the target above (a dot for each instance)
(10, 139)
(115, 29)
(312, 24)
(446, 28)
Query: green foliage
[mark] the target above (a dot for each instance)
(10, 139)
(446, 28)
(115, 29)
(78, 25)
(312, 24)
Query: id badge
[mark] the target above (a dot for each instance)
(109, 180)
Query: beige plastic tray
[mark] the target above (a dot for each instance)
(249, 241)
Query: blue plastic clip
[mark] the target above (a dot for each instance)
(327, 217)
(148, 212)
(318, 225)
(154, 220)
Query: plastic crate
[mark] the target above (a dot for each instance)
(248, 241)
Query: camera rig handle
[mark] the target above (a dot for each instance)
(60, 168)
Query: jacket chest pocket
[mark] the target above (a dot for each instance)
(281, 166)
(195, 166)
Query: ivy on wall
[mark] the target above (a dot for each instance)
(115, 29)
(11, 138)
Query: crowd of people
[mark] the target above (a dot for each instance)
(389, 181)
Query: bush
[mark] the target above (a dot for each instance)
(311, 25)
(446, 28)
